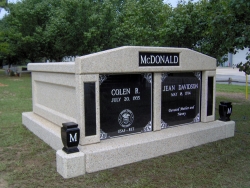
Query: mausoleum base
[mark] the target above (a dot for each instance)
(70, 165)
(127, 149)
(44, 129)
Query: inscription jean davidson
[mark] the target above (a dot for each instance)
(180, 98)
(158, 59)
(125, 104)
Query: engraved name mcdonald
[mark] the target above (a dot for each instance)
(158, 59)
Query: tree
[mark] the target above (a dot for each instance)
(227, 27)
(185, 25)
(64, 30)
(52, 29)
(8, 44)
(141, 22)
(3, 4)
(245, 67)
(26, 24)
(103, 22)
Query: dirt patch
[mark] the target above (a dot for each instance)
(3, 183)
(32, 162)
(240, 96)
(2, 85)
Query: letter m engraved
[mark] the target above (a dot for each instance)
(229, 110)
(143, 61)
(73, 139)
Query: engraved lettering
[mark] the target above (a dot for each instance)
(73, 139)
(124, 91)
(126, 99)
(176, 59)
(174, 94)
(136, 98)
(137, 91)
(158, 59)
(116, 99)
(188, 86)
(181, 114)
(169, 88)
(143, 60)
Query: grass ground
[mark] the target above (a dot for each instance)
(26, 161)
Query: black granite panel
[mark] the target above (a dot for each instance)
(210, 94)
(125, 104)
(180, 98)
(90, 109)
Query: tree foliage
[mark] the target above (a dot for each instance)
(228, 26)
(141, 22)
(25, 26)
(53, 29)
(245, 67)
(3, 4)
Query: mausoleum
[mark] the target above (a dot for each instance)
(130, 103)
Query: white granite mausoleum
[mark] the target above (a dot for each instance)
(59, 90)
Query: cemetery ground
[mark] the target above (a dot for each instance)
(26, 161)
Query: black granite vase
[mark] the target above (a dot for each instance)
(70, 134)
(225, 110)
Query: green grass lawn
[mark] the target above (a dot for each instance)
(26, 161)
(232, 88)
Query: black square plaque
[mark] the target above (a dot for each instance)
(180, 98)
(125, 104)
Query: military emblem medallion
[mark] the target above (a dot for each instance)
(126, 118)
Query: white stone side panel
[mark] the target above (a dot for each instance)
(54, 96)
(157, 102)
(212, 74)
(204, 98)
(80, 80)
(55, 78)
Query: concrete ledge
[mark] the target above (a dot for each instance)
(70, 165)
(44, 129)
(63, 67)
(119, 151)
(129, 149)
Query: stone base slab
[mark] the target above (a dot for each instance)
(70, 165)
(44, 129)
(127, 149)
